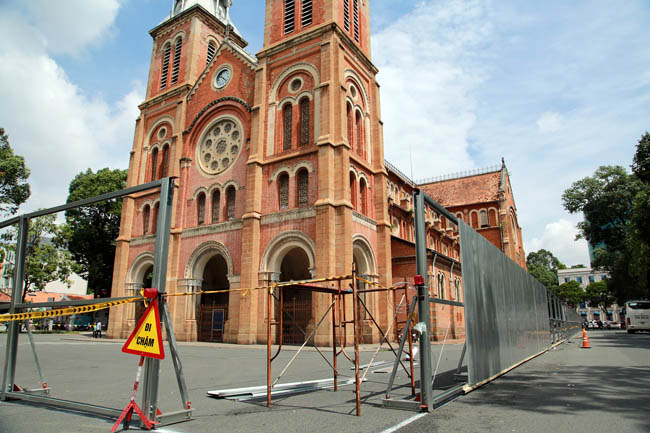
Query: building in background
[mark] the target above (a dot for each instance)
(586, 276)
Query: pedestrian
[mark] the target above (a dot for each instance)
(94, 328)
(99, 329)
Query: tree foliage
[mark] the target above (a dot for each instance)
(543, 265)
(616, 206)
(598, 294)
(90, 231)
(14, 189)
(44, 262)
(570, 292)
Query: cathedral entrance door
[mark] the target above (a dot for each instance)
(297, 302)
(213, 310)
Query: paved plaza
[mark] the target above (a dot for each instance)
(567, 389)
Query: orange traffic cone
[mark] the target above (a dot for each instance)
(585, 340)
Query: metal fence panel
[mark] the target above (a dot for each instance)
(506, 309)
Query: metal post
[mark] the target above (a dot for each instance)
(269, 304)
(335, 378)
(36, 361)
(423, 301)
(355, 312)
(159, 280)
(16, 297)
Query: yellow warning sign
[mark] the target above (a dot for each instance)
(146, 338)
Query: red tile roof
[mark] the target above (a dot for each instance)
(480, 188)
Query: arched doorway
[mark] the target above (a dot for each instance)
(297, 302)
(364, 263)
(213, 309)
(147, 277)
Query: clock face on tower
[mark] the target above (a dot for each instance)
(222, 78)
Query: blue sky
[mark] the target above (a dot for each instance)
(557, 88)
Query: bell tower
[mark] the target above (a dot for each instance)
(317, 106)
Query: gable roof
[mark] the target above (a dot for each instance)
(480, 188)
(237, 51)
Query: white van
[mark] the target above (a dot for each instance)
(637, 315)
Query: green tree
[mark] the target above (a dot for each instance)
(90, 231)
(641, 160)
(44, 262)
(613, 207)
(543, 265)
(570, 292)
(598, 294)
(14, 189)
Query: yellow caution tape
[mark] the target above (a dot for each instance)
(65, 311)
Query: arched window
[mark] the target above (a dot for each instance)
(350, 127)
(286, 126)
(304, 121)
(303, 188)
(441, 285)
(483, 218)
(200, 209)
(283, 191)
(457, 288)
(363, 196)
(154, 223)
(230, 203)
(493, 217)
(353, 191)
(145, 219)
(177, 60)
(154, 164)
(289, 15)
(165, 160)
(474, 218)
(165, 66)
(359, 134)
(212, 49)
(216, 199)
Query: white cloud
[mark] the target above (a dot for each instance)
(559, 238)
(427, 72)
(55, 125)
(549, 122)
(70, 26)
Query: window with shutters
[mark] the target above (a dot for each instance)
(177, 60)
(230, 205)
(305, 14)
(303, 188)
(283, 191)
(457, 288)
(212, 48)
(287, 119)
(356, 19)
(346, 15)
(165, 66)
(145, 219)
(154, 164)
(200, 209)
(289, 15)
(304, 121)
(216, 201)
(483, 217)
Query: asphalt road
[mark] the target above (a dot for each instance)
(603, 389)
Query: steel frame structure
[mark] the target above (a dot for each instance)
(339, 321)
(10, 391)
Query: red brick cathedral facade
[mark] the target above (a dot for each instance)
(280, 166)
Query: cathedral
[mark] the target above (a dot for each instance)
(280, 173)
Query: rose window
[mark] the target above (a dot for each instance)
(220, 146)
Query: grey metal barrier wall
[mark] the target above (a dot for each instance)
(509, 314)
